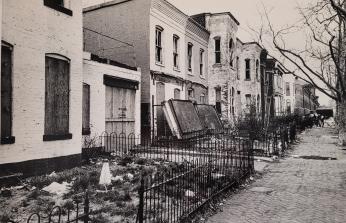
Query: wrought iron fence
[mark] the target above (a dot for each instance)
(175, 196)
(78, 212)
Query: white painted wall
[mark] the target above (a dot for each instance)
(93, 75)
(33, 32)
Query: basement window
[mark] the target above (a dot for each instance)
(58, 5)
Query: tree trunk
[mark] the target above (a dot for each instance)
(341, 122)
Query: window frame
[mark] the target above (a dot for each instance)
(58, 7)
(86, 129)
(189, 57)
(175, 51)
(192, 93)
(8, 139)
(201, 62)
(66, 135)
(159, 45)
(257, 70)
(217, 49)
(231, 50)
(247, 69)
(238, 68)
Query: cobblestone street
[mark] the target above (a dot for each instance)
(299, 188)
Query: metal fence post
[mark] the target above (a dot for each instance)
(140, 214)
(86, 207)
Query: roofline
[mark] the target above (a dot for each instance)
(220, 13)
(118, 2)
(104, 5)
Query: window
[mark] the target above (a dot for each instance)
(288, 107)
(58, 5)
(86, 110)
(202, 99)
(237, 64)
(158, 44)
(258, 105)
(217, 50)
(201, 62)
(189, 56)
(218, 100)
(247, 70)
(231, 52)
(175, 51)
(6, 94)
(57, 98)
(248, 100)
(257, 70)
(288, 90)
(232, 101)
(177, 93)
(191, 94)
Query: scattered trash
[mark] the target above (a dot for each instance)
(57, 188)
(6, 193)
(129, 176)
(53, 174)
(189, 193)
(217, 175)
(118, 179)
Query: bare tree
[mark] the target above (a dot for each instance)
(322, 62)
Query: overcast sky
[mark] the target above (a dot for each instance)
(247, 12)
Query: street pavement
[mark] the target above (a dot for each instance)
(295, 189)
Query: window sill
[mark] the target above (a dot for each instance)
(159, 64)
(86, 131)
(52, 5)
(176, 69)
(8, 140)
(57, 137)
(202, 76)
(217, 65)
(247, 79)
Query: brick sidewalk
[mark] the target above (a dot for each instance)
(295, 189)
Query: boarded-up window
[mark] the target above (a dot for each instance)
(57, 96)
(86, 110)
(6, 94)
(176, 93)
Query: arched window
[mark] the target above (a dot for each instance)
(176, 93)
(232, 101)
(257, 69)
(247, 70)
(158, 44)
(230, 46)
(57, 96)
(258, 103)
(217, 49)
(191, 94)
(202, 99)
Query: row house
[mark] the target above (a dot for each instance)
(170, 48)
(289, 81)
(275, 73)
(235, 68)
(41, 90)
(54, 96)
(305, 97)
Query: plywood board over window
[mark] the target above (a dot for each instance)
(57, 98)
(120, 105)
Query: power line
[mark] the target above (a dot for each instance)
(108, 37)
